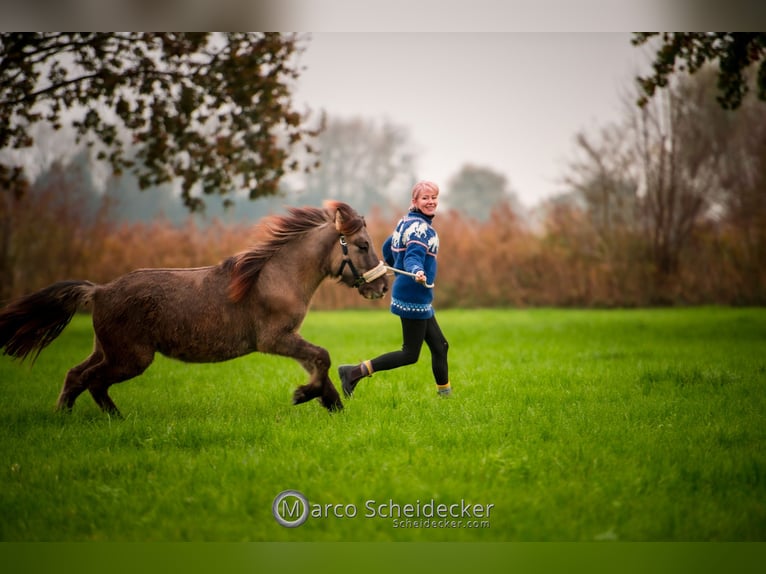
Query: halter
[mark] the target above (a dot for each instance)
(359, 279)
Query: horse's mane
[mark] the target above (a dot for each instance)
(278, 230)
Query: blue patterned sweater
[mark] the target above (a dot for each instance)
(412, 247)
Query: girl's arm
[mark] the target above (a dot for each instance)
(388, 255)
(415, 256)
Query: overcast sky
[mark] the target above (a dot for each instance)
(512, 102)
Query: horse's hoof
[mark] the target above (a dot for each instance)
(300, 396)
(334, 407)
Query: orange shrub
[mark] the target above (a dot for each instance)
(499, 262)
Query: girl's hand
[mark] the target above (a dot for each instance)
(420, 277)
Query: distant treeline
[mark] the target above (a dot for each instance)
(57, 231)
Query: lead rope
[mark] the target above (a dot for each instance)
(378, 271)
(401, 272)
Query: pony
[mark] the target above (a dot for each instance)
(253, 301)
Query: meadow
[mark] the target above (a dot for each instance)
(564, 425)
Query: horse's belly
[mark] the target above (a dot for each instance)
(182, 314)
(199, 342)
(208, 352)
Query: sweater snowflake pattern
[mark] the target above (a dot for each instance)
(412, 247)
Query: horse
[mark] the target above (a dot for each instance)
(252, 301)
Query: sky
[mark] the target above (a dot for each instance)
(511, 102)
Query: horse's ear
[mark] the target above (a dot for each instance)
(338, 220)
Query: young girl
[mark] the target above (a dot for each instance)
(411, 248)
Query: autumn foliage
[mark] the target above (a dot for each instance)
(498, 262)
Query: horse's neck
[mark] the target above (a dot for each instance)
(307, 261)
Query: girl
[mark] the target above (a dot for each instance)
(411, 248)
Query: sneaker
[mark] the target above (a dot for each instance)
(444, 392)
(348, 384)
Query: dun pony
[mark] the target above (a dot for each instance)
(253, 301)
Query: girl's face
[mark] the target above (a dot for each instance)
(427, 202)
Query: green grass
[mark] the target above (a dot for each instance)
(628, 425)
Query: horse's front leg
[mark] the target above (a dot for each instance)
(316, 361)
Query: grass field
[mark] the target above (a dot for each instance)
(634, 425)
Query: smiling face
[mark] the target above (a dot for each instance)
(425, 197)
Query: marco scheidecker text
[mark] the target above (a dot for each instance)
(291, 508)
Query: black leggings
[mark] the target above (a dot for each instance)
(414, 332)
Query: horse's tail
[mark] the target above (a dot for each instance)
(31, 323)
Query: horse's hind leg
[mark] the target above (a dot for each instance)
(110, 371)
(102, 370)
(73, 384)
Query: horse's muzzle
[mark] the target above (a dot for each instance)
(368, 294)
(375, 283)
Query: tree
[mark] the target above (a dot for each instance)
(650, 183)
(603, 179)
(476, 190)
(742, 205)
(680, 144)
(363, 162)
(735, 53)
(213, 110)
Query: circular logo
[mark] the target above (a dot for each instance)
(290, 508)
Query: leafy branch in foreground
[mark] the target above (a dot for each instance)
(212, 110)
(734, 53)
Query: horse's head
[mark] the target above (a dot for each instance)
(359, 265)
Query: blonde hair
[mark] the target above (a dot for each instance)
(424, 186)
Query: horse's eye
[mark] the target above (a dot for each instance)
(363, 246)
